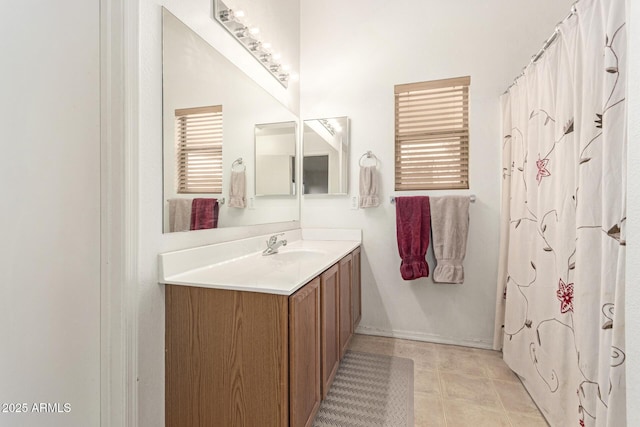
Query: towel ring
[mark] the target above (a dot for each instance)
(367, 155)
(238, 162)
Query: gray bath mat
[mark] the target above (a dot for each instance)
(369, 390)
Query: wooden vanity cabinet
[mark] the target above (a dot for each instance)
(345, 267)
(356, 289)
(330, 322)
(235, 358)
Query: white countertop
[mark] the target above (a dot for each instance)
(283, 273)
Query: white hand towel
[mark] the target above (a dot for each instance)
(237, 190)
(449, 227)
(369, 187)
(179, 215)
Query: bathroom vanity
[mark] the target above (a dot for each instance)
(262, 350)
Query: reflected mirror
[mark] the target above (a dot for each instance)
(275, 159)
(210, 109)
(325, 163)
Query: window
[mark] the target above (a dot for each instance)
(199, 149)
(432, 135)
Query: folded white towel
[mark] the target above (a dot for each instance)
(237, 190)
(369, 187)
(179, 214)
(449, 227)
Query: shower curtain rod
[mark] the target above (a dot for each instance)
(545, 45)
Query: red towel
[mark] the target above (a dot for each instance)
(413, 225)
(204, 214)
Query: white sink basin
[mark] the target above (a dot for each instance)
(297, 254)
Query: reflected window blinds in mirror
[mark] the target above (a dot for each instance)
(199, 149)
(237, 24)
(275, 147)
(326, 156)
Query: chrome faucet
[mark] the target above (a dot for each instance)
(273, 244)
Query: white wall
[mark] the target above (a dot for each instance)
(352, 55)
(50, 197)
(197, 14)
(632, 303)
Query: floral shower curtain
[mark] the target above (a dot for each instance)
(560, 313)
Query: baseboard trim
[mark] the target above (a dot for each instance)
(421, 336)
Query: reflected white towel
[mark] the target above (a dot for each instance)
(179, 214)
(449, 228)
(369, 187)
(237, 190)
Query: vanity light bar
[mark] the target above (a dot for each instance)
(233, 22)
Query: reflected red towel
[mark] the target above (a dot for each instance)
(204, 214)
(413, 224)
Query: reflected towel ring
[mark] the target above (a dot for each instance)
(368, 155)
(238, 162)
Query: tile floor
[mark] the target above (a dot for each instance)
(459, 386)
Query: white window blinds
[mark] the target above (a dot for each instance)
(432, 135)
(199, 149)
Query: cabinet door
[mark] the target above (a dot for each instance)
(346, 324)
(330, 340)
(356, 289)
(304, 354)
(226, 358)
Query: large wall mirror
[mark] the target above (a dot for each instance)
(325, 166)
(211, 110)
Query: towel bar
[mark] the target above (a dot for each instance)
(472, 198)
(220, 200)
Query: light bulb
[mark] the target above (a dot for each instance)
(224, 15)
(254, 30)
(265, 57)
(266, 45)
(254, 45)
(335, 125)
(277, 56)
